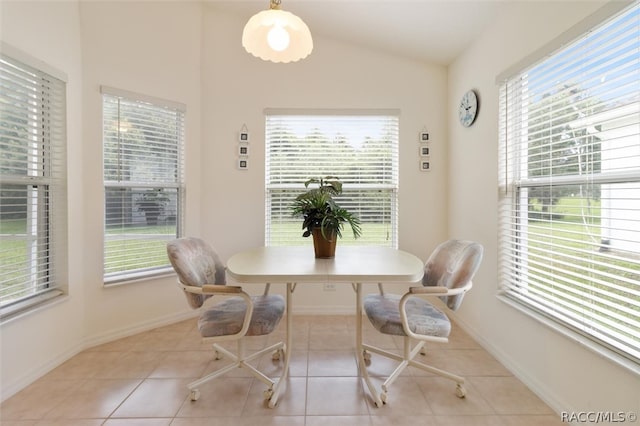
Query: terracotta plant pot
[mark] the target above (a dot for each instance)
(325, 249)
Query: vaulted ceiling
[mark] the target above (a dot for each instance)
(434, 31)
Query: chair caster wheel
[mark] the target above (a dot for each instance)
(383, 397)
(461, 392)
(268, 394)
(278, 355)
(217, 355)
(194, 395)
(367, 357)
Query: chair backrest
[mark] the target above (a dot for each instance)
(452, 264)
(196, 264)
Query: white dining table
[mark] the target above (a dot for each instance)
(353, 265)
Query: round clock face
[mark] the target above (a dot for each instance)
(468, 108)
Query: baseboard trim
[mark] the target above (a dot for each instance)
(323, 310)
(141, 327)
(10, 389)
(543, 392)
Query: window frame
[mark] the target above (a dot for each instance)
(514, 217)
(139, 187)
(39, 97)
(351, 189)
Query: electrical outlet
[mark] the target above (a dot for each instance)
(329, 287)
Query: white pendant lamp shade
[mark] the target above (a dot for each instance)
(277, 36)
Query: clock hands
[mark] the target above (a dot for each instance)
(468, 108)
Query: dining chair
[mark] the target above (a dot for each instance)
(231, 315)
(447, 275)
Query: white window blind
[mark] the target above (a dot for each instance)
(143, 178)
(33, 228)
(359, 148)
(570, 185)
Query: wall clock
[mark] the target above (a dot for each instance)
(468, 109)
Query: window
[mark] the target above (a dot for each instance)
(359, 148)
(570, 185)
(32, 184)
(143, 142)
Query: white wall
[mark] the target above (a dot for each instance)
(566, 374)
(148, 48)
(32, 344)
(237, 88)
(151, 48)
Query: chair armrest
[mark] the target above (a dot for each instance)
(220, 289)
(211, 289)
(440, 291)
(428, 290)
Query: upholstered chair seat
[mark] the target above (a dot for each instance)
(383, 311)
(227, 317)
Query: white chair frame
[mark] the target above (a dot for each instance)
(409, 351)
(239, 359)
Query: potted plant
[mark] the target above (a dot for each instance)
(322, 217)
(152, 203)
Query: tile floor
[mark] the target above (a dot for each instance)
(141, 380)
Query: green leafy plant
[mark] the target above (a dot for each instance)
(319, 210)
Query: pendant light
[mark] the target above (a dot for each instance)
(277, 36)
